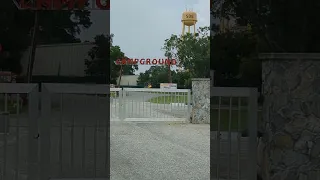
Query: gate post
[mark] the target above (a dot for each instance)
(45, 129)
(124, 104)
(201, 100)
(291, 115)
(33, 143)
(121, 105)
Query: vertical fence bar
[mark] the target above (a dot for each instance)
(4, 173)
(95, 136)
(18, 137)
(45, 128)
(229, 138)
(61, 135)
(218, 139)
(72, 135)
(252, 126)
(124, 103)
(107, 135)
(33, 166)
(239, 137)
(83, 151)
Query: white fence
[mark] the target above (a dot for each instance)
(64, 140)
(144, 104)
(58, 132)
(234, 156)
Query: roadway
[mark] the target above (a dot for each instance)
(159, 151)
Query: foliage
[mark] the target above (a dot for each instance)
(230, 50)
(191, 51)
(159, 74)
(279, 25)
(54, 27)
(100, 54)
(275, 26)
(155, 75)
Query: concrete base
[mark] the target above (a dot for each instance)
(80, 179)
(152, 120)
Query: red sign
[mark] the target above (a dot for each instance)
(147, 61)
(65, 4)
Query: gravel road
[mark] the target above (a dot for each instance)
(159, 151)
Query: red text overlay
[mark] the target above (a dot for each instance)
(147, 61)
(64, 4)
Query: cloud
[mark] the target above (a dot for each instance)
(203, 12)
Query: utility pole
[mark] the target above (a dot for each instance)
(120, 75)
(33, 47)
(169, 72)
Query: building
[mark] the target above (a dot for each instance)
(58, 60)
(128, 80)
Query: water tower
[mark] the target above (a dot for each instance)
(189, 18)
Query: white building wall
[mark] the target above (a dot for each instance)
(128, 80)
(69, 57)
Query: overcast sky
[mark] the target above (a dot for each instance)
(141, 26)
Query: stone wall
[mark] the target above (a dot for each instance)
(200, 101)
(291, 116)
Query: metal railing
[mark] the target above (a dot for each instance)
(145, 104)
(116, 104)
(76, 129)
(17, 142)
(64, 140)
(233, 156)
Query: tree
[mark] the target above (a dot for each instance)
(101, 62)
(234, 59)
(155, 75)
(191, 51)
(54, 27)
(279, 25)
(159, 74)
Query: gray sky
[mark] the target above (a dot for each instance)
(141, 26)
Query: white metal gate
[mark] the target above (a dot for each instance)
(145, 104)
(76, 122)
(62, 130)
(19, 138)
(69, 139)
(233, 156)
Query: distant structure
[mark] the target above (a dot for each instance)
(128, 80)
(189, 18)
(58, 59)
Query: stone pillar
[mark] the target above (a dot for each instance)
(291, 116)
(200, 100)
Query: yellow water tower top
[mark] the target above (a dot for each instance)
(189, 18)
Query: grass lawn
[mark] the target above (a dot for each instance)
(113, 94)
(224, 119)
(169, 99)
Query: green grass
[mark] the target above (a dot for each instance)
(224, 119)
(12, 108)
(113, 94)
(169, 99)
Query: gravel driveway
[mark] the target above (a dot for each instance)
(159, 151)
